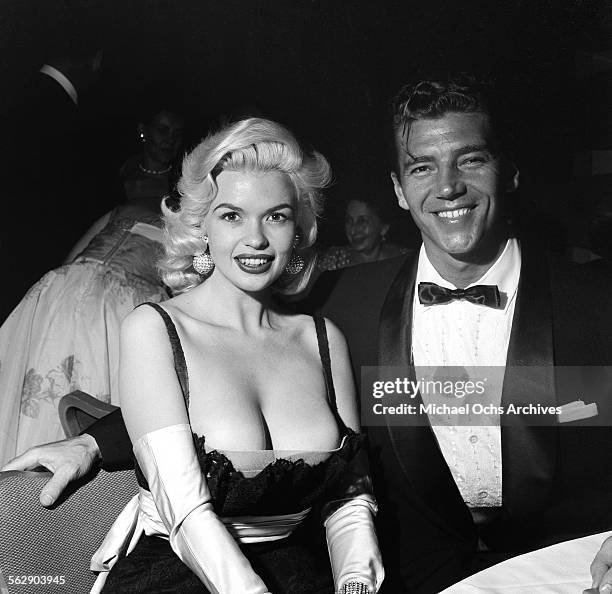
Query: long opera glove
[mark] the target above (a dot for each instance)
(169, 462)
(352, 543)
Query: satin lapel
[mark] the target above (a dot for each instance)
(528, 452)
(416, 448)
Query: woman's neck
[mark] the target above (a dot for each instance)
(151, 164)
(371, 255)
(221, 302)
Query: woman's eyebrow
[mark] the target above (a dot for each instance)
(280, 207)
(228, 205)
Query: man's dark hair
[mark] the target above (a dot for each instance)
(433, 98)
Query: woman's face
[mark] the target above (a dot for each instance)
(363, 227)
(163, 137)
(251, 227)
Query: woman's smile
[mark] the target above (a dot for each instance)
(254, 264)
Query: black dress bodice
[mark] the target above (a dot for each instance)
(283, 486)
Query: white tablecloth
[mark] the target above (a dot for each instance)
(559, 569)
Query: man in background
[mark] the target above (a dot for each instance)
(52, 171)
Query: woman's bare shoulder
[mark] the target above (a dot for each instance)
(143, 323)
(303, 327)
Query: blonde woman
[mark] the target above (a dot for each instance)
(242, 414)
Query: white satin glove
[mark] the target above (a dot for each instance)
(352, 543)
(168, 460)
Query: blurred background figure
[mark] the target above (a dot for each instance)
(64, 334)
(366, 226)
(50, 159)
(152, 172)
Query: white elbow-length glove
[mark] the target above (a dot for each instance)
(353, 546)
(168, 460)
(351, 536)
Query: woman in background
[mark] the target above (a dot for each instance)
(64, 334)
(366, 229)
(242, 414)
(152, 171)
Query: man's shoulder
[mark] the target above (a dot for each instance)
(579, 281)
(357, 287)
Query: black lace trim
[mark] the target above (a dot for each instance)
(284, 486)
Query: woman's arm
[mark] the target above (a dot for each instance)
(156, 419)
(349, 518)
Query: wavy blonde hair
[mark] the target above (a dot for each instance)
(251, 145)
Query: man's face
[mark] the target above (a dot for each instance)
(453, 183)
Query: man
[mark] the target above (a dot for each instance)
(48, 154)
(455, 499)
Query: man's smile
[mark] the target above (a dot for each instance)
(454, 215)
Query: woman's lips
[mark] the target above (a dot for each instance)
(254, 264)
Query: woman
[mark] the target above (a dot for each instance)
(64, 334)
(151, 172)
(366, 230)
(241, 426)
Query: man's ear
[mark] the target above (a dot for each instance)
(141, 132)
(401, 200)
(513, 176)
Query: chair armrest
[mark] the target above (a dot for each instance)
(78, 410)
(44, 543)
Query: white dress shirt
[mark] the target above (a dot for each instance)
(464, 334)
(62, 80)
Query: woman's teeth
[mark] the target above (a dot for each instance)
(253, 262)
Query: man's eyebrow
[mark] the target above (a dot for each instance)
(463, 150)
(410, 159)
(473, 148)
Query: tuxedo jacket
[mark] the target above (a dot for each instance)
(556, 480)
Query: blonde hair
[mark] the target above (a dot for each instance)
(251, 145)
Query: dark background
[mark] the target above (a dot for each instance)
(327, 69)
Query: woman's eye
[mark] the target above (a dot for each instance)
(277, 217)
(231, 217)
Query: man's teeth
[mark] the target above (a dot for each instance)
(254, 262)
(453, 214)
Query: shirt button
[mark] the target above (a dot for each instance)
(482, 495)
(473, 438)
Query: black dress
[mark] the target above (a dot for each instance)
(298, 564)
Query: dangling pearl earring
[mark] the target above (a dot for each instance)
(296, 262)
(202, 262)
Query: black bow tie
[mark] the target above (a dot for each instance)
(432, 294)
